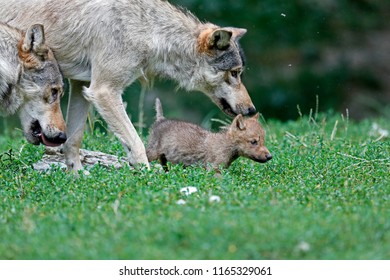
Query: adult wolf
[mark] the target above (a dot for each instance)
(31, 84)
(112, 43)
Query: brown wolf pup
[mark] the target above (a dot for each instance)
(31, 84)
(181, 142)
(104, 46)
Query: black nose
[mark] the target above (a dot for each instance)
(60, 138)
(268, 157)
(251, 111)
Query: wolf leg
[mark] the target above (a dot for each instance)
(76, 118)
(108, 102)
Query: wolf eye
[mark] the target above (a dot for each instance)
(235, 73)
(54, 93)
(254, 142)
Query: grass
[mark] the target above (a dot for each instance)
(324, 195)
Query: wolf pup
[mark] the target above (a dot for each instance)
(31, 84)
(113, 43)
(181, 142)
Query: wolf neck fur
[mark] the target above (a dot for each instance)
(174, 46)
(10, 74)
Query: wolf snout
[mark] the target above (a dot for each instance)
(246, 110)
(60, 138)
(251, 111)
(56, 140)
(48, 138)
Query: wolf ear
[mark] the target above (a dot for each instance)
(238, 122)
(220, 39)
(238, 33)
(34, 41)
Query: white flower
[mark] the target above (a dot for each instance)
(303, 246)
(181, 202)
(188, 190)
(214, 198)
(377, 130)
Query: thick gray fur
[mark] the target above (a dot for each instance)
(104, 46)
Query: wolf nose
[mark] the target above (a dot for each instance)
(61, 137)
(251, 111)
(268, 157)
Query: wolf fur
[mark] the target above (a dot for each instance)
(112, 43)
(182, 142)
(31, 84)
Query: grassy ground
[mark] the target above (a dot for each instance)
(324, 195)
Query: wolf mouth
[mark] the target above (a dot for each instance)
(43, 139)
(227, 109)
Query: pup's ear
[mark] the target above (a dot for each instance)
(220, 39)
(256, 116)
(239, 122)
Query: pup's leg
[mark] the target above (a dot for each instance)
(76, 118)
(108, 102)
(164, 162)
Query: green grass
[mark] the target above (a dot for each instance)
(324, 195)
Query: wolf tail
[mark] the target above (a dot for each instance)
(159, 110)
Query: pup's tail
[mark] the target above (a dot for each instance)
(159, 110)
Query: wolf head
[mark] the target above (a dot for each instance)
(221, 71)
(41, 85)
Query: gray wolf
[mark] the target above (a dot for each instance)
(104, 46)
(182, 142)
(31, 84)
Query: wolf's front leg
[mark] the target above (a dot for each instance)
(76, 118)
(108, 102)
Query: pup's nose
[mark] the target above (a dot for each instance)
(268, 157)
(251, 111)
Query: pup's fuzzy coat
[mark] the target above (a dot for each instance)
(182, 142)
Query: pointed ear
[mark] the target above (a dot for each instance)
(256, 116)
(220, 39)
(34, 41)
(238, 33)
(238, 122)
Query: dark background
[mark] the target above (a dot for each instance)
(334, 53)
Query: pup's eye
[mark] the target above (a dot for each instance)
(235, 73)
(254, 142)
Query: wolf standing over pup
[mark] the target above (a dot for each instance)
(104, 46)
